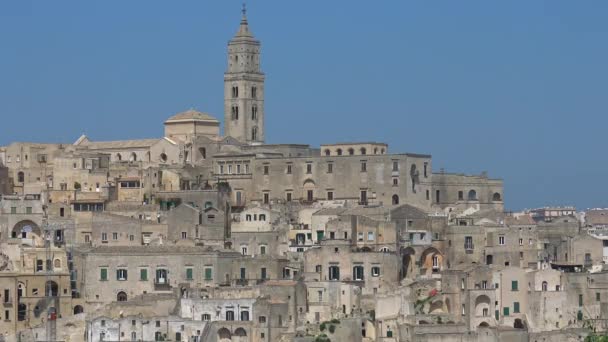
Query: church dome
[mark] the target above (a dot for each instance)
(191, 115)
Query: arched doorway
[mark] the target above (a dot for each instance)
(24, 230)
(519, 324)
(121, 296)
(309, 190)
(484, 325)
(240, 332)
(224, 333)
(472, 195)
(395, 199)
(482, 306)
(407, 264)
(51, 289)
(431, 260)
(78, 309)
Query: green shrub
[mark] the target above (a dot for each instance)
(332, 328)
(322, 326)
(335, 321)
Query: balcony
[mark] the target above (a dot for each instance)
(469, 247)
(162, 285)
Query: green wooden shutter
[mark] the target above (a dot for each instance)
(208, 273)
(143, 274)
(515, 307)
(514, 285)
(188, 273)
(505, 311)
(104, 274)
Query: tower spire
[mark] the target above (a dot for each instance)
(244, 27)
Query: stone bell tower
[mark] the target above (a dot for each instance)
(244, 88)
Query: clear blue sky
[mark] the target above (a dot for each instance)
(516, 88)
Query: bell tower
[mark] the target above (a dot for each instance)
(244, 87)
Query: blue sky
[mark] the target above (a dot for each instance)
(515, 88)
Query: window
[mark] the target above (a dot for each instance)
(428, 195)
(254, 112)
(358, 273)
(230, 315)
(235, 113)
(263, 250)
(243, 273)
(189, 273)
(505, 311)
(121, 297)
(318, 268)
(262, 319)
(289, 169)
(121, 274)
(370, 236)
(263, 273)
(244, 250)
(514, 285)
(521, 241)
(238, 169)
(437, 196)
(103, 274)
(208, 273)
(515, 307)
(334, 273)
(360, 236)
(426, 165)
(235, 91)
(484, 284)
(580, 300)
(244, 315)
(460, 195)
(114, 236)
(206, 317)
(351, 151)
(363, 198)
(143, 274)
(395, 181)
(339, 151)
(375, 271)
(288, 196)
(395, 166)
(330, 195)
(468, 242)
(104, 237)
(363, 167)
(266, 168)
(308, 168)
(320, 295)
(229, 169)
(184, 235)
(330, 168)
(501, 240)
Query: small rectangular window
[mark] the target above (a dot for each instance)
(289, 169)
(514, 285)
(309, 168)
(363, 167)
(103, 274)
(330, 195)
(515, 307)
(143, 274)
(208, 273)
(189, 273)
(330, 168)
(266, 168)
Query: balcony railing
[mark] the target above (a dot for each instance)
(162, 285)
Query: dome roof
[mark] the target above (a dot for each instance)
(192, 115)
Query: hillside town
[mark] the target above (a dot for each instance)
(206, 234)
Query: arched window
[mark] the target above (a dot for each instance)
(395, 200)
(118, 157)
(20, 177)
(262, 217)
(496, 197)
(248, 217)
(133, 157)
(254, 133)
(254, 112)
(163, 157)
(241, 331)
(78, 309)
(363, 150)
(351, 151)
(472, 195)
(545, 286)
(327, 152)
(339, 151)
(121, 296)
